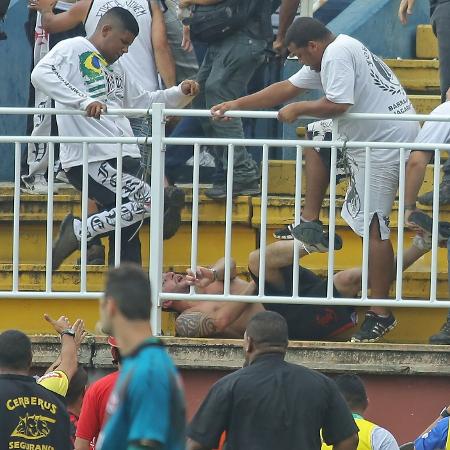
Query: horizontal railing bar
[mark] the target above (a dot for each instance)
(206, 113)
(247, 142)
(307, 300)
(51, 295)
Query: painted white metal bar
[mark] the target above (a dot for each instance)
(49, 255)
(400, 225)
(308, 300)
(332, 213)
(228, 219)
(156, 218)
(16, 218)
(118, 230)
(195, 203)
(366, 240)
(298, 208)
(263, 227)
(435, 231)
(84, 215)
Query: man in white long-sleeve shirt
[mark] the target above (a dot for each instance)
(85, 74)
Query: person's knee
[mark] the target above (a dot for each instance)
(253, 262)
(348, 282)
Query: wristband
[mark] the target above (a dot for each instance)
(69, 332)
(214, 271)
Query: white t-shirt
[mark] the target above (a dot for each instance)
(74, 74)
(351, 74)
(436, 132)
(139, 62)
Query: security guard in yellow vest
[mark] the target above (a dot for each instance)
(371, 436)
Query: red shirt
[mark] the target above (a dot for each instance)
(92, 413)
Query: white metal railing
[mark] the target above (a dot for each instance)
(158, 141)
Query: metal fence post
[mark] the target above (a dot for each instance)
(156, 215)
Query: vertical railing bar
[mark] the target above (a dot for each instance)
(297, 215)
(84, 215)
(228, 219)
(435, 230)
(400, 225)
(49, 256)
(118, 230)
(195, 207)
(365, 255)
(16, 217)
(155, 265)
(332, 213)
(263, 228)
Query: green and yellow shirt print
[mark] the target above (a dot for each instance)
(92, 68)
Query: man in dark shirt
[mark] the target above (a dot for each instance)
(31, 415)
(272, 404)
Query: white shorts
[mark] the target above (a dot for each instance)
(383, 189)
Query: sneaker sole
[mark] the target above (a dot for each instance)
(388, 329)
(425, 222)
(285, 234)
(172, 215)
(311, 234)
(64, 248)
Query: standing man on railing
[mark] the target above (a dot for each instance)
(84, 74)
(353, 80)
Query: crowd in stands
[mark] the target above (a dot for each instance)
(138, 52)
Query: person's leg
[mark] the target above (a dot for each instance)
(440, 21)
(236, 59)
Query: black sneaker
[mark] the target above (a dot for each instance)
(444, 195)
(374, 327)
(66, 243)
(443, 337)
(425, 223)
(174, 199)
(219, 191)
(312, 234)
(284, 233)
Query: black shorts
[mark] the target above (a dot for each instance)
(309, 322)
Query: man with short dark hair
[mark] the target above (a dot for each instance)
(371, 436)
(272, 404)
(85, 74)
(146, 409)
(28, 410)
(353, 80)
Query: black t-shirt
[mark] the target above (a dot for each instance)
(308, 322)
(31, 416)
(434, 3)
(259, 25)
(272, 404)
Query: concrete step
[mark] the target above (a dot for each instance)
(426, 43)
(416, 75)
(415, 324)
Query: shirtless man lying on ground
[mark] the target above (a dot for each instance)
(305, 322)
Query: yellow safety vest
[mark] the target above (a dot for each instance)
(447, 445)
(364, 434)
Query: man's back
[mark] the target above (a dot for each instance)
(147, 403)
(274, 404)
(29, 413)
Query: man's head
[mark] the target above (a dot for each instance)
(267, 332)
(354, 392)
(175, 283)
(115, 32)
(307, 39)
(15, 352)
(77, 388)
(126, 298)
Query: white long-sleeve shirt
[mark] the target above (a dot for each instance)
(74, 74)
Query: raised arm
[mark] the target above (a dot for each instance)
(57, 23)
(288, 9)
(163, 54)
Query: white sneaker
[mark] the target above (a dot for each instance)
(36, 184)
(61, 176)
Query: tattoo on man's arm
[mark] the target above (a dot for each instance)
(195, 324)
